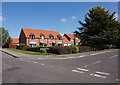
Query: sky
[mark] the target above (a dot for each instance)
(56, 16)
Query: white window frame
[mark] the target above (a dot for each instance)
(72, 40)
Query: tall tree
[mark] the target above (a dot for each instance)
(100, 28)
(5, 37)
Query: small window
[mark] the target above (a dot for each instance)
(42, 36)
(59, 37)
(71, 39)
(50, 44)
(32, 36)
(51, 37)
(77, 39)
(32, 45)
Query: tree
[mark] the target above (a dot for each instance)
(5, 37)
(100, 28)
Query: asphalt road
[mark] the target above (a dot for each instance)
(94, 68)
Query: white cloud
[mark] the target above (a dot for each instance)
(73, 17)
(63, 20)
(2, 18)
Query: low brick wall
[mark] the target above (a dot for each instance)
(13, 46)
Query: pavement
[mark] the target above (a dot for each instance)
(92, 67)
(66, 56)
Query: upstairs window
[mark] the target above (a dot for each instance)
(32, 36)
(51, 36)
(59, 37)
(42, 36)
(77, 39)
(71, 39)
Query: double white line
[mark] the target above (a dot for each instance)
(80, 70)
(100, 74)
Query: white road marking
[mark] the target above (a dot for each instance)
(98, 72)
(83, 69)
(77, 71)
(96, 75)
(35, 62)
(92, 64)
(114, 56)
(97, 53)
(100, 53)
(82, 56)
(118, 80)
(42, 64)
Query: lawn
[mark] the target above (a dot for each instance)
(31, 52)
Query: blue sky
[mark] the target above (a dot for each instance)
(57, 16)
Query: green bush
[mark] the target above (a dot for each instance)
(64, 49)
(77, 49)
(25, 48)
(22, 46)
(85, 48)
(43, 51)
(36, 49)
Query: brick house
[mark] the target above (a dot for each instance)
(34, 37)
(70, 39)
(15, 41)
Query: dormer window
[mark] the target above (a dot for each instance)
(51, 36)
(77, 39)
(59, 37)
(71, 39)
(32, 36)
(42, 36)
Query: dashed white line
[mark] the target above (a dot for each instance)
(82, 56)
(118, 80)
(77, 71)
(114, 56)
(100, 53)
(42, 64)
(92, 64)
(83, 69)
(99, 76)
(98, 72)
(35, 62)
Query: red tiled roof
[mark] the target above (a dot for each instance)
(66, 40)
(37, 32)
(70, 35)
(15, 40)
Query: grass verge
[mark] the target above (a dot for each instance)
(31, 52)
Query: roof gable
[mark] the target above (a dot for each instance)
(71, 36)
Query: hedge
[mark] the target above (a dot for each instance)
(85, 48)
(64, 49)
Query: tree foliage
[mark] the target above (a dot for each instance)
(5, 37)
(100, 28)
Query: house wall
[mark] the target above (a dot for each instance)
(22, 38)
(38, 40)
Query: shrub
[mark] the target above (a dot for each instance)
(36, 49)
(25, 48)
(64, 49)
(77, 49)
(21, 45)
(84, 48)
(43, 50)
